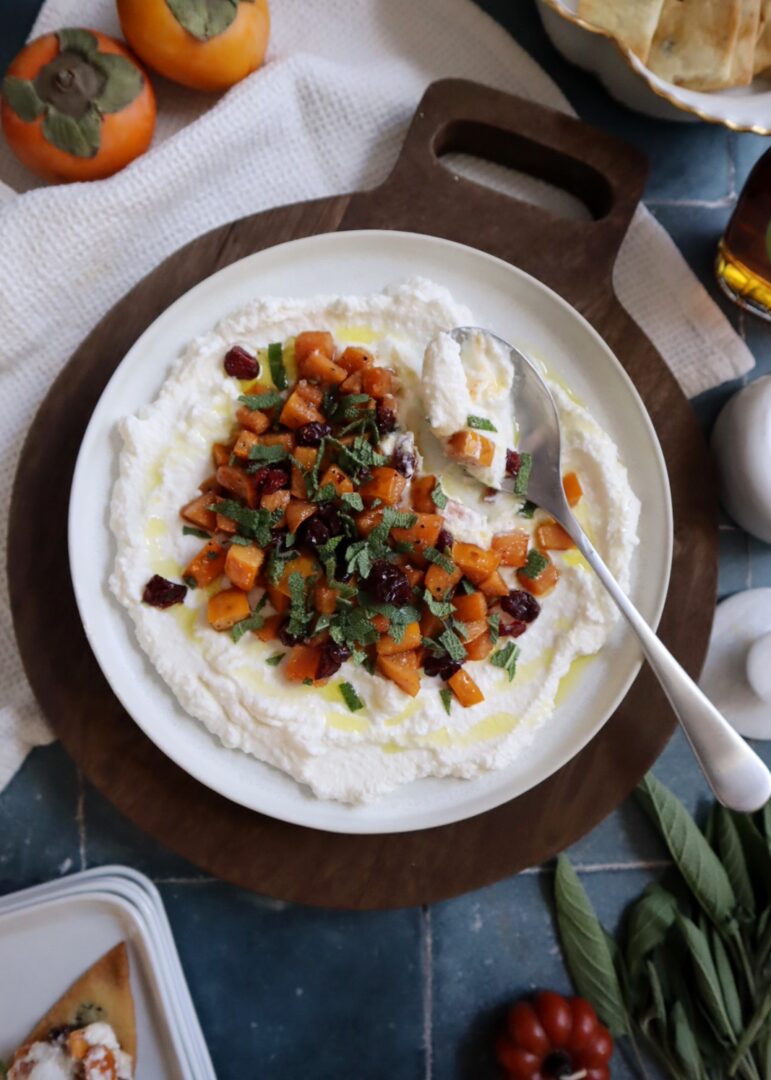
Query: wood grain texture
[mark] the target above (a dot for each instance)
(574, 258)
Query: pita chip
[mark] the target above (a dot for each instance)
(695, 41)
(631, 22)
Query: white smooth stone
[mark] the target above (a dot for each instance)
(741, 442)
(737, 671)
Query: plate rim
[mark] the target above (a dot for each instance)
(356, 827)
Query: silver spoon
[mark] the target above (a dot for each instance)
(738, 777)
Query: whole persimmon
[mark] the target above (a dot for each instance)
(77, 106)
(204, 44)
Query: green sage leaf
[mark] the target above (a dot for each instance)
(765, 818)
(204, 19)
(707, 982)
(684, 1042)
(81, 138)
(78, 41)
(23, 98)
(649, 921)
(757, 1025)
(586, 950)
(123, 84)
(657, 992)
(729, 847)
(725, 975)
(695, 859)
(757, 853)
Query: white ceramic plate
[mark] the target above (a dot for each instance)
(513, 305)
(626, 78)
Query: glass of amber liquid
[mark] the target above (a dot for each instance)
(743, 265)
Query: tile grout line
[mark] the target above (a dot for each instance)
(428, 992)
(698, 204)
(603, 868)
(80, 818)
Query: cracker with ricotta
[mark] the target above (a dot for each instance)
(631, 22)
(103, 992)
(695, 42)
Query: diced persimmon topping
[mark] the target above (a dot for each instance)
(207, 565)
(227, 608)
(378, 382)
(302, 663)
(401, 668)
(465, 689)
(311, 341)
(571, 485)
(420, 494)
(512, 547)
(298, 511)
(253, 419)
(242, 565)
(410, 639)
(269, 629)
(310, 504)
(543, 581)
(342, 484)
(475, 563)
(386, 484)
(354, 359)
(471, 448)
(220, 454)
(550, 536)
(298, 411)
(198, 513)
(470, 606)
(238, 483)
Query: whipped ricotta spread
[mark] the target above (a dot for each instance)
(52, 1059)
(307, 731)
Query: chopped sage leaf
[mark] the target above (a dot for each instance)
(275, 659)
(440, 608)
(276, 362)
(446, 695)
(261, 401)
(188, 530)
(481, 423)
(438, 496)
(506, 658)
(523, 476)
(350, 697)
(527, 509)
(535, 565)
(435, 556)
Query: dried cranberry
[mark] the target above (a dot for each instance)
(515, 628)
(271, 478)
(241, 364)
(331, 518)
(445, 539)
(385, 418)
(314, 531)
(285, 637)
(312, 434)
(162, 593)
(404, 460)
(332, 658)
(513, 463)
(388, 583)
(440, 665)
(521, 605)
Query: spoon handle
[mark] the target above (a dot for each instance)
(738, 777)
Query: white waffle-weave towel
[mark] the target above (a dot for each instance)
(325, 115)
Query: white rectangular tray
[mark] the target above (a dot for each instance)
(51, 933)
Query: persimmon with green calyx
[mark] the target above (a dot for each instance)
(76, 105)
(203, 44)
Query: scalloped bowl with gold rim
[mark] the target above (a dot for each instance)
(628, 80)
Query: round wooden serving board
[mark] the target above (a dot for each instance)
(575, 259)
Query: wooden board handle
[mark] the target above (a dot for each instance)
(455, 115)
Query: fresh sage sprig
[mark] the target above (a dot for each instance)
(689, 971)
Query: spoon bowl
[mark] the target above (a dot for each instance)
(738, 777)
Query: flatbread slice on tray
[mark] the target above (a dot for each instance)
(103, 993)
(631, 22)
(695, 41)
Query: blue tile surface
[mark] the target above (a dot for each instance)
(285, 991)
